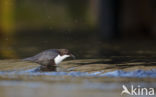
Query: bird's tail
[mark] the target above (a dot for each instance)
(28, 59)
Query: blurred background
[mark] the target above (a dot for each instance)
(89, 28)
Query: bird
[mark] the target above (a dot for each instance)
(50, 59)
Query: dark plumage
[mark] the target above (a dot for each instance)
(47, 58)
(44, 57)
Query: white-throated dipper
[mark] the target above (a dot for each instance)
(49, 59)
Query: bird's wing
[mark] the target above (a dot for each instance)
(43, 57)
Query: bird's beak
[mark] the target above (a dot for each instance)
(71, 55)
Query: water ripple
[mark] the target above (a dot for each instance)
(117, 73)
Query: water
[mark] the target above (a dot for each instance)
(100, 70)
(85, 77)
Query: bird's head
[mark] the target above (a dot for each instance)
(63, 54)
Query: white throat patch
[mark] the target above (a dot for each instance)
(58, 59)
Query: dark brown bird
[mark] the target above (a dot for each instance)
(49, 59)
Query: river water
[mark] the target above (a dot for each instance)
(100, 70)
